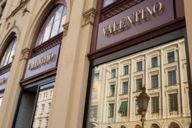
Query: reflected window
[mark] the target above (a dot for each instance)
(139, 66)
(172, 77)
(139, 83)
(53, 24)
(154, 62)
(173, 102)
(155, 104)
(113, 73)
(111, 110)
(171, 57)
(126, 70)
(154, 81)
(9, 53)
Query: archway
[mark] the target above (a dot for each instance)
(174, 125)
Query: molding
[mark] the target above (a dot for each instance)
(88, 17)
(25, 54)
(65, 27)
(18, 8)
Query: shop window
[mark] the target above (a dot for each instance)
(108, 2)
(170, 57)
(155, 104)
(154, 81)
(173, 102)
(172, 77)
(111, 110)
(53, 25)
(34, 106)
(154, 62)
(139, 66)
(123, 108)
(9, 53)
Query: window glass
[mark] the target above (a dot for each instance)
(53, 24)
(9, 53)
(108, 2)
(113, 73)
(173, 102)
(172, 77)
(125, 69)
(139, 66)
(116, 95)
(155, 104)
(139, 83)
(154, 81)
(154, 62)
(171, 57)
(111, 110)
(125, 87)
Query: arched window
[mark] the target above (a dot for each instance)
(9, 53)
(154, 126)
(53, 24)
(122, 126)
(174, 125)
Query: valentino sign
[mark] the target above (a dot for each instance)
(42, 62)
(137, 19)
(141, 16)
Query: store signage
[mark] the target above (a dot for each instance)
(135, 20)
(141, 16)
(42, 62)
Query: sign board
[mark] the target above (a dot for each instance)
(135, 20)
(42, 62)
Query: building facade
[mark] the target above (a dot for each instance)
(83, 63)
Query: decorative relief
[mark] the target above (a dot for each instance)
(65, 27)
(88, 17)
(25, 53)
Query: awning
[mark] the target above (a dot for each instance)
(123, 107)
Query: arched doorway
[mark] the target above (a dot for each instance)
(174, 125)
(138, 126)
(155, 126)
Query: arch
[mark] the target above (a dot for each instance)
(122, 126)
(52, 26)
(37, 21)
(174, 125)
(138, 126)
(155, 126)
(8, 49)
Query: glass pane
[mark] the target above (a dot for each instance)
(108, 93)
(48, 30)
(108, 2)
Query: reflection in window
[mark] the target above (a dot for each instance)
(139, 66)
(9, 53)
(53, 24)
(112, 90)
(111, 110)
(173, 102)
(154, 62)
(171, 57)
(126, 70)
(113, 73)
(154, 81)
(125, 87)
(108, 2)
(155, 104)
(172, 77)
